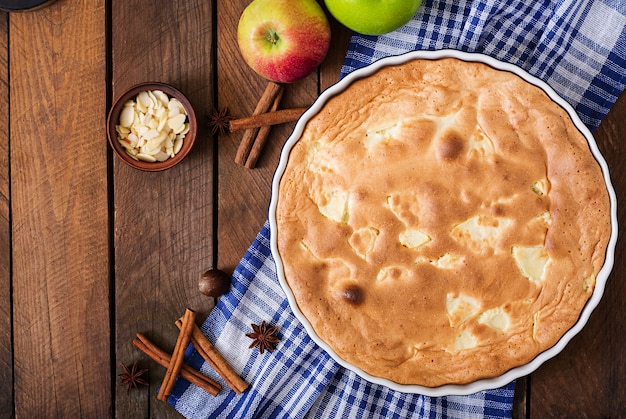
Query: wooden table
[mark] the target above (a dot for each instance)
(92, 252)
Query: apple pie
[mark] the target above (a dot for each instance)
(441, 222)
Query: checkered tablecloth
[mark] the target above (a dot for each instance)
(577, 47)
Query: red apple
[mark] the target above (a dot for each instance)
(283, 40)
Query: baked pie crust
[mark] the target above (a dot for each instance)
(441, 222)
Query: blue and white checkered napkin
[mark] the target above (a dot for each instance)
(578, 47)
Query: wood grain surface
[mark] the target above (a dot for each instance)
(163, 222)
(6, 347)
(59, 210)
(92, 251)
(243, 194)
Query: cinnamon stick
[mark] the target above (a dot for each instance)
(261, 137)
(173, 368)
(264, 119)
(272, 90)
(188, 373)
(212, 356)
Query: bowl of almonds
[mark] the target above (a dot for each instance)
(151, 126)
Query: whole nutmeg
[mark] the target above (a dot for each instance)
(214, 283)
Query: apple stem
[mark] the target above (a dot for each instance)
(272, 37)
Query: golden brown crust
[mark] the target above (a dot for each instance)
(441, 222)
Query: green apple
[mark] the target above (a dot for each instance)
(283, 40)
(373, 17)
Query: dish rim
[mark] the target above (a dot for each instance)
(516, 372)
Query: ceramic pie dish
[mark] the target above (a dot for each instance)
(432, 229)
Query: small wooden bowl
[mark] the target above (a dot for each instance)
(114, 118)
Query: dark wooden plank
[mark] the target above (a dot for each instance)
(59, 211)
(520, 401)
(331, 67)
(244, 194)
(585, 380)
(163, 221)
(6, 350)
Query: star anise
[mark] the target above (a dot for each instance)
(131, 377)
(264, 337)
(218, 121)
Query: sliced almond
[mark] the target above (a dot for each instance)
(152, 127)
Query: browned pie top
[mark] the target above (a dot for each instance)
(441, 222)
